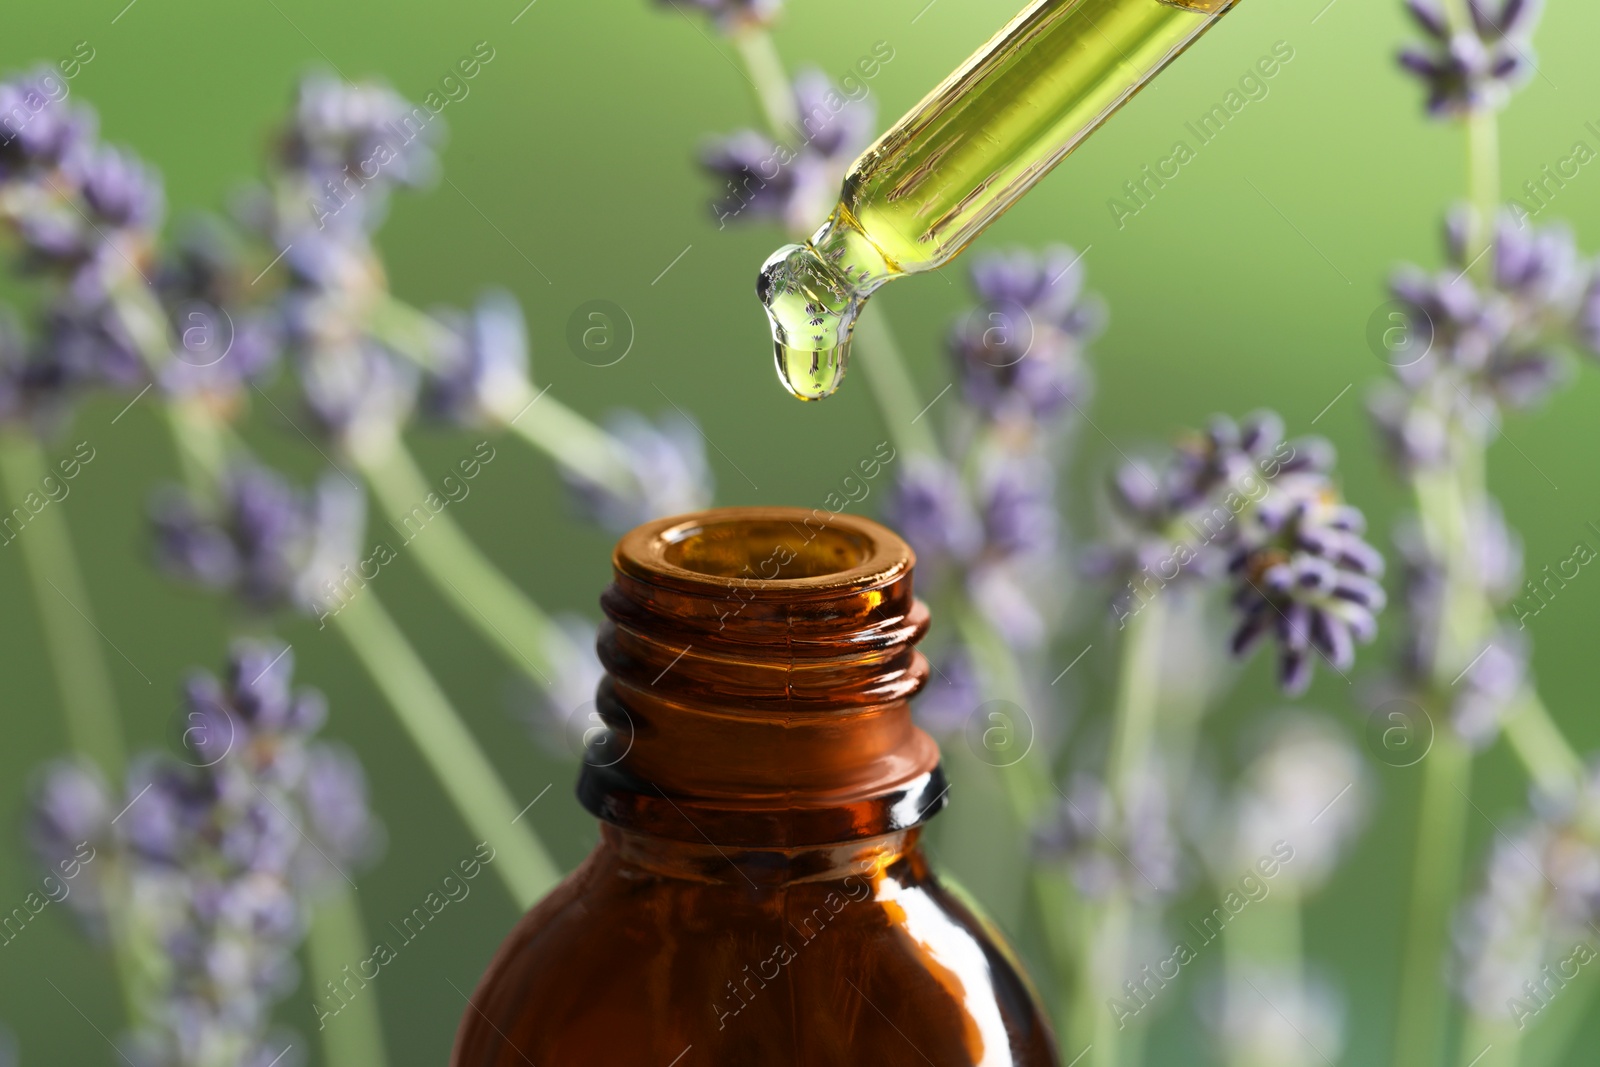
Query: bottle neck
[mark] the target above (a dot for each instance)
(759, 667)
(762, 868)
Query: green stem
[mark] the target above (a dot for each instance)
(1266, 939)
(1546, 754)
(73, 645)
(83, 682)
(201, 445)
(893, 388)
(772, 91)
(1104, 939)
(414, 334)
(485, 597)
(1138, 698)
(573, 442)
(1061, 919)
(338, 941)
(537, 418)
(1109, 922)
(459, 764)
(1435, 883)
(1483, 175)
(1489, 1043)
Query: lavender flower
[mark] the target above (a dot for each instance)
(1305, 576)
(732, 16)
(669, 463)
(223, 345)
(553, 719)
(1175, 521)
(952, 694)
(42, 130)
(264, 541)
(794, 183)
(1307, 786)
(1484, 348)
(1537, 908)
(1239, 499)
(1267, 1015)
(1474, 67)
(1494, 567)
(484, 366)
(348, 144)
(1107, 842)
(1020, 352)
(929, 507)
(1490, 687)
(214, 858)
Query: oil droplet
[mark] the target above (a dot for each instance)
(812, 308)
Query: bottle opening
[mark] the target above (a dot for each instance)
(766, 551)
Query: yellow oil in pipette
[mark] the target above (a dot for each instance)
(957, 160)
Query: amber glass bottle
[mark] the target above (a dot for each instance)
(758, 895)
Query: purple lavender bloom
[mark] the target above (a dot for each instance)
(1306, 577)
(1019, 353)
(266, 542)
(1017, 504)
(360, 395)
(553, 715)
(483, 368)
(668, 460)
(1476, 67)
(223, 345)
(1489, 688)
(1109, 842)
(1483, 348)
(39, 130)
(348, 144)
(929, 507)
(1495, 554)
(217, 856)
(795, 183)
(731, 16)
(951, 696)
(120, 189)
(1215, 497)
(72, 806)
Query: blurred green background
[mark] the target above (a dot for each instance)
(1247, 282)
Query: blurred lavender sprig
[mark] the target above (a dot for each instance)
(797, 181)
(731, 16)
(217, 856)
(989, 526)
(264, 541)
(667, 456)
(1109, 843)
(1241, 503)
(1476, 66)
(1538, 905)
(1479, 345)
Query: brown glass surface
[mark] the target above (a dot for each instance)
(758, 895)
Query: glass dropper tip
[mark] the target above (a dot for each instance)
(812, 308)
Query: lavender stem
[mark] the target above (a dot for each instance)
(488, 600)
(909, 424)
(1108, 923)
(1546, 754)
(88, 699)
(768, 80)
(539, 419)
(338, 939)
(458, 762)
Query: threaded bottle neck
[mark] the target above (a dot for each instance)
(759, 662)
